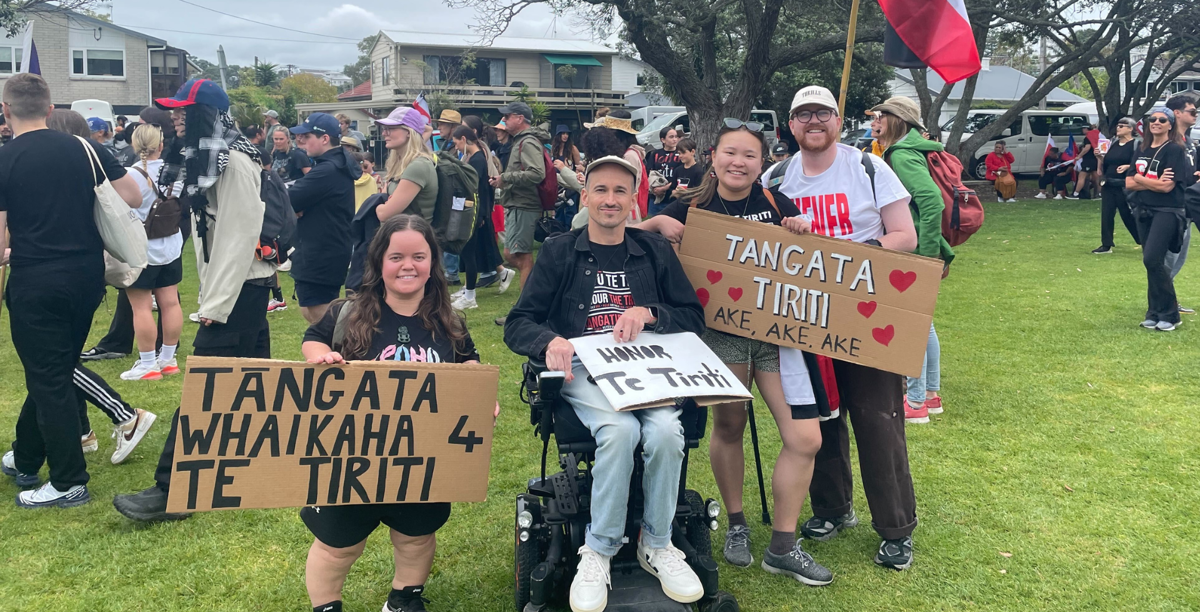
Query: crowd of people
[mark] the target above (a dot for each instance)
(373, 275)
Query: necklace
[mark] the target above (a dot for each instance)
(745, 206)
(603, 267)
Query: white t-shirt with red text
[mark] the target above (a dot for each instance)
(839, 201)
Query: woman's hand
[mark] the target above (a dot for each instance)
(1122, 169)
(496, 414)
(797, 225)
(559, 165)
(331, 358)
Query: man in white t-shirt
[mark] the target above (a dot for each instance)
(855, 196)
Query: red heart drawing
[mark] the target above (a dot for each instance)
(884, 335)
(703, 295)
(902, 280)
(867, 309)
(714, 277)
(735, 293)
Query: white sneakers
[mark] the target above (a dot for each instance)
(1058, 196)
(589, 589)
(678, 580)
(463, 302)
(506, 279)
(89, 442)
(1010, 200)
(46, 496)
(1040, 196)
(169, 367)
(143, 371)
(130, 433)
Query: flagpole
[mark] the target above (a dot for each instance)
(849, 55)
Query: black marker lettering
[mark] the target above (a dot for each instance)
(325, 404)
(355, 467)
(219, 499)
(268, 433)
(301, 397)
(193, 468)
(367, 390)
(210, 381)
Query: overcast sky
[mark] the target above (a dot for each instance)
(350, 21)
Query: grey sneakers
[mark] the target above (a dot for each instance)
(799, 565)
(737, 546)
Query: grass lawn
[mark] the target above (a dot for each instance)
(1062, 476)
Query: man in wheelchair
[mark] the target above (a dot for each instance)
(605, 278)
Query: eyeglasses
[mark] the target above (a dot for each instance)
(1192, 111)
(805, 116)
(1158, 120)
(737, 124)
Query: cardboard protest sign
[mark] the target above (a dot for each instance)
(657, 368)
(837, 298)
(258, 433)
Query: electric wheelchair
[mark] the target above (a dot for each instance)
(551, 517)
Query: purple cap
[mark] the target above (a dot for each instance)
(406, 115)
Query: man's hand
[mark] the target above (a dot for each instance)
(332, 358)
(559, 165)
(206, 322)
(495, 181)
(631, 322)
(797, 225)
(558, 356)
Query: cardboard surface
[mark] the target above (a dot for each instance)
(837, 298)
(257, 433)
(655, 369)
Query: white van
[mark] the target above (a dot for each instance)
(1025, 137)
(95, 108)
(646, 114)
(648, 136)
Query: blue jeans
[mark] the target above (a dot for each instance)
(450, 260)
(931, 372)
(617, 434)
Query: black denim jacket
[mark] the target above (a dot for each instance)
(557, 297)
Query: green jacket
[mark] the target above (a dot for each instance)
(907, 159)
(525, 171)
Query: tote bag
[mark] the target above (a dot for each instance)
(120, 228)
(119, 274)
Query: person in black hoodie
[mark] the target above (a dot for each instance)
(324, 202)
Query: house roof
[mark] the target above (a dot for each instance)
(362, 90)
(104, 24)
(500, 43)
(1000, 83)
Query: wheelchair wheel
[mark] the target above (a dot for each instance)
(697, 525)
(526, 555)
(721, 602)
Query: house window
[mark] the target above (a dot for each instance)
(452, 70)
(164, 63)
(7, 55)
(386, 67)
(97, 63)
(579, 81)
(641, 79)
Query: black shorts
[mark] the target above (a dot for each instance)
(1087, 164)
(315, 294)
(345, 526)
(157, 277)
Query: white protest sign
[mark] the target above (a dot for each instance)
(657, 368)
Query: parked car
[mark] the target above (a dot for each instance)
(648, 137)
(641, 116)
(1025, 137)
(859, 139)
(95, 108)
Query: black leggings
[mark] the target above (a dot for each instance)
(1112, 201)
(1158, 231)
(1059, 181)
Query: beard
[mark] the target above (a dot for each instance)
(821, 146)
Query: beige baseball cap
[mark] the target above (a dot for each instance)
(814, 94)
(613, 159)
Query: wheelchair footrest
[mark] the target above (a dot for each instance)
(566, 493)
(638, 591)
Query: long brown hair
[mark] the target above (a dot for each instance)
(708, 188)
(894, 130)
(435, 311)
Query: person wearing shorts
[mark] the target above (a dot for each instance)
(732, 189)
(519, 184)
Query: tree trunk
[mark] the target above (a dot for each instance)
(705, 123)
(921, 84)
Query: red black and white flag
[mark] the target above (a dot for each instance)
(934, 32)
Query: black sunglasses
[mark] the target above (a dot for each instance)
(1158, 120)
(737, 124)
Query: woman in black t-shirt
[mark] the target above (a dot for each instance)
(401, 313)
(481, 251)
(1116, 163)
(733, 189)
(1159, 172)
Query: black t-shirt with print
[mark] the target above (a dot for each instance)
(47, 189)
(612, 295)
(1152, 163)
(290, 165)
(1118, 155)
(692, 176)
(399, 338)
(756, 207)
(666, 162)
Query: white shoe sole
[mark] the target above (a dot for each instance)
(920, 420)
(797, 577)
(935, 411)
(575, 608)
(147, 420)
(681, 598)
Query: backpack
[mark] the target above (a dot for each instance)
(963, 214)
(548, 189)
(163, 219)
(454, 213)
(362, 231)
(279, 220)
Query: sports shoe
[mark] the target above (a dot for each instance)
(1149, 323)
(142, 371)
(589, 588)
(98, 354)
(487, 280)
(169, 367)
(408, 599)
(501, 321)
(9, 468)
(464, 303)
(896, 554)
(128, 434)
(1058, 196)
(89, 442)
(1186, 310)
(46, 496)
(1166, 326)
(934, 404)
(1011, 200)
(1000, 199)
(678, 579)
(1102, 251)
(824, 529)
(1040, 196)
(457, 294)
(146, 506)
(194, 317)
(799, 565)
(1074, 196)
(274, 305)
(737, 546)
(506, 279)
(153, 303)
(287, 265)
(915, 415)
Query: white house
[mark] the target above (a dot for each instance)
(999, 84)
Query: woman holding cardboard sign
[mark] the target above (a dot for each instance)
(732, 188)
(401, 313)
